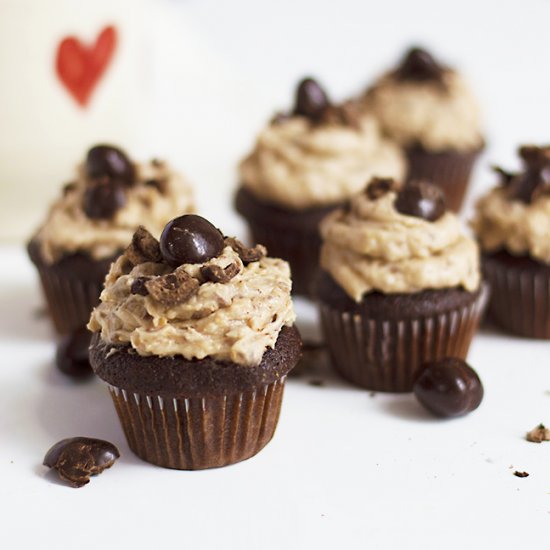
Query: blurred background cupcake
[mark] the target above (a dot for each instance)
(92, 223)
(306, 163)
(401, 285)
(512, 223)
(428, 109)
(195, 337)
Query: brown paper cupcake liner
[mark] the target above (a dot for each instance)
(70, 301)
(450, 170)
(520, 299)
(385, 355)
(198, 433)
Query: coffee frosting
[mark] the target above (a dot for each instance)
(438, 115)
(233, 321)
(298, 165)
(520, 228)
(372, 247)
(68, 230)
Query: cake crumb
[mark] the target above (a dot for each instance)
(538, 434)
(521, 474)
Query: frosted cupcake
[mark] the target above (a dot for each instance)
(305, 164)
(401, 285)
(93, 222)
(430, 112)
(512, 223)
(195, 338)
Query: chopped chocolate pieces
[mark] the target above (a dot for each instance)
(143, 248)
(138, 286)
(538, 434)
(378, 187)
(159, 184)
(535, 178)
(172, 289)
(78, 458)
(218, 274)
(521, 474)
(246, 254)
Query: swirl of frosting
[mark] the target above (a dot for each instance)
(235, 320)
(157, 195)
(437, 115)
(373, 247)
(300, 165)
(520, 228)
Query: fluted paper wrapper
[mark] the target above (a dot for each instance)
(450, 170)
(198, 433)
(385, 355)
(70, 300)
(520, 300)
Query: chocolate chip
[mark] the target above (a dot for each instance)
(521, 474)
(103, 198)
(190, 239)
(311, 100)
(246, 254)
(71, 356)
(78, 458)
(172, 289)
(422, 200)
(138, 286)
(419, 65)
(218, 274)
(106, 160)
(378, 187)
(143, 248)
(448, 387)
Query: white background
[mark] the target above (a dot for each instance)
(345, 469)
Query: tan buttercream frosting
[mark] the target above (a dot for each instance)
(298, 164)
(439, 116)
(234, 321)
(68, 230)
(520, 228)
(373, 247)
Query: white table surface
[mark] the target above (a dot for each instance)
(345, 469)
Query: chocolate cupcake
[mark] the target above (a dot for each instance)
(512, 223)
(93, 222)
(430, 112)
(401, 285)
(304, 165)
(195, 338)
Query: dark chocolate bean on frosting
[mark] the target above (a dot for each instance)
(421, 200)
(106, 160)
(190, 239)
(103, 197)
(419, 65)
(311, 100)
(78, 458)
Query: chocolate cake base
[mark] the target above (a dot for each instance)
(71, 286)
(292, 235)
(381, 343)
(520, 295)
(192, 415)
(450, 170)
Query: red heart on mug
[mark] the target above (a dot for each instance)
(80, 67)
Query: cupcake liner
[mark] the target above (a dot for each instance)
(385, 354)
(199, 432)
(450, 170)
(520, 299)
(70, 300)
